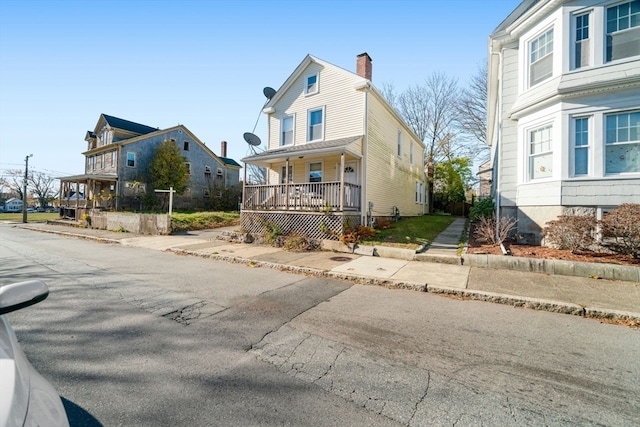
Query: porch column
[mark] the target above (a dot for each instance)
(244, 183)
(342, 182)
(286, 183)
(77, 197)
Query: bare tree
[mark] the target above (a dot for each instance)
(472, 113)
(14, 181)
(430, 110)
(43, 187)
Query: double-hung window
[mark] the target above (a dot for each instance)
(581, 146)
(131, 159)
(113, 159)
(316, 124)
(582, 57)
(622, 142)
(399, 150)
(540, 153)
(311, 85)
(315, 172)
(541, 58)
(623, 30)
(286, 130)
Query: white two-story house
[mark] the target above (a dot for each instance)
(564, 110)
(338, 155)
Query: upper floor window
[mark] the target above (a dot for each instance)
(581, 146)
(315, 172)
(286, 130)
(411, 153)
(113, 159)
(399, 149)
(312, 85)
(541, 58)
(622, 142)
(623, 30)
(131, 159)
(102, 162)
(316, 124)
(185, 146)
(582, 57)
(540, 153)
(188, 165)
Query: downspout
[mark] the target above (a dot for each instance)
(365, 149)
(497, 171)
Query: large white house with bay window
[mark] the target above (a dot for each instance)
(564, 110)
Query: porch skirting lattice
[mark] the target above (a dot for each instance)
(314, 225)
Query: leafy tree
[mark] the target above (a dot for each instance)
(453, 178)
(168, 169)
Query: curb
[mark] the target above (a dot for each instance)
(512, 300)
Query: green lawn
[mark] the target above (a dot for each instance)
(412, 232)
(31, 217)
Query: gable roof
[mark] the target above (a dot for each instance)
(118, 123)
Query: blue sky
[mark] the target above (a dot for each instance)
(204, 63)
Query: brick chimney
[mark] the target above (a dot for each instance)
(223, 149)
(363, 66)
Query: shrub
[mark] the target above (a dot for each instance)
(485, 228)
(622, 224)
(481, 209)
(300, 242)
(572, 232)
(354, 235)
(383, 224)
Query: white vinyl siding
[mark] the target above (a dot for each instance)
(340, 98)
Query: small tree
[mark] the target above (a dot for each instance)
(453, 177)
(622, 225)
(168, 169)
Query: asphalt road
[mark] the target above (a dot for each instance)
(136, 337)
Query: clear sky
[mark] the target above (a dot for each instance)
(204, 63)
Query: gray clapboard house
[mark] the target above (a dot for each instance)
(116, 162)
(564, 110)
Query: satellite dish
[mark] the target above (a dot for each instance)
(269, 92)
(252, 139)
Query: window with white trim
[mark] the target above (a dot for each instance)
(541, 58)
(207, 193)
(540, 153)
(622, 142)
(315, 172)
(131, 159)
(103, 164)
(311, 85)
(581, 146)
(316, 124)
(286, 130)
(411, 152)
(420, 196)
(399, 150)
(113, 159)
(623, 30)
(582, 46)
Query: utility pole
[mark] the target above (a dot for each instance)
(24, 188)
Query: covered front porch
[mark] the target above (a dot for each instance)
(308, 187)
(80, 193)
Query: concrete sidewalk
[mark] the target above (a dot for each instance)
(583, 296)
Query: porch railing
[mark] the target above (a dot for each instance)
(302, 196)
